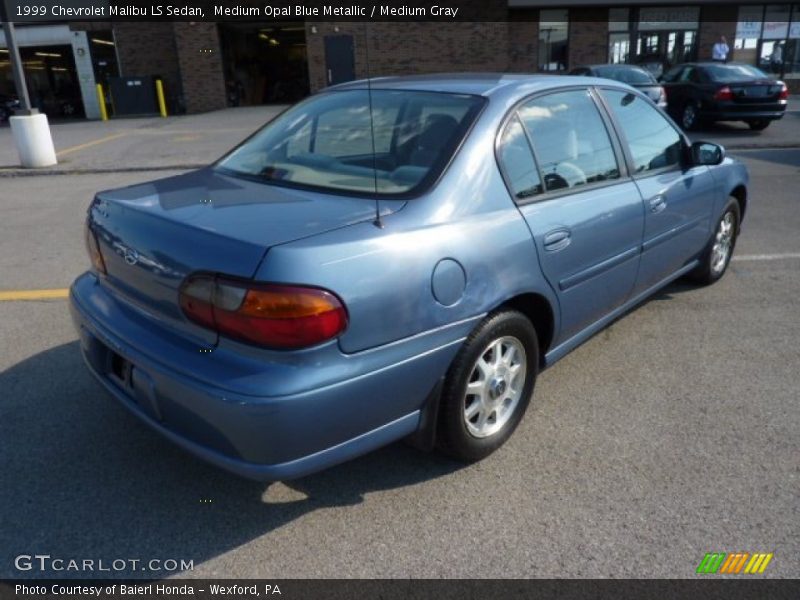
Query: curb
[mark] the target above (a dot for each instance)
(21, 172)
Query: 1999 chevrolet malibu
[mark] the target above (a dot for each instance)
(390, 259)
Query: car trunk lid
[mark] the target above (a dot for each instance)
(153, 235)
(652, 90)
(755, 91)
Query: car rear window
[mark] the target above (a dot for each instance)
(630, 75)
(731, 73)
(389, 142)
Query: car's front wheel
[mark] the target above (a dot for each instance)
(690, 117)
(717, 256)
(488, 386)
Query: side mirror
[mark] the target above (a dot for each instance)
(707, 153)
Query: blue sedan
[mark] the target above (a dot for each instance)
(394, 258)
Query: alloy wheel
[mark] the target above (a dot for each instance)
(689, 116)
(723, 242)
(495, 386)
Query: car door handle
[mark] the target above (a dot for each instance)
(658, 203)
(557, 240)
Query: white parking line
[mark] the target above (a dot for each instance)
(787, 255)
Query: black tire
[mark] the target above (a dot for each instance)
(455, 436)
(690, 116)
(709, 270)
(758, 124)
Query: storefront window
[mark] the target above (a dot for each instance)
(618, 19)
(792, 59)
(619, 46)
(769, 37)
(619, 38)
(748, 32)
(553, 32)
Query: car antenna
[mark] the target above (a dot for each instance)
(377, 222)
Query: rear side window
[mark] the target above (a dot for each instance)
(687, 74)
(673, 74)
(389, 142)
(570, 140)
(653, 141)
(734, 73)
(517, 162)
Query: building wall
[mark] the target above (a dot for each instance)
(315, 49)
(200, 60)
(714, 22)
(523, 46)
(588, 36)
(403, 48)
(149, 49)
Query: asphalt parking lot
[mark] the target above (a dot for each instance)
(672, 433)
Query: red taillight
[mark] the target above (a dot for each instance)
(784, 95)
(93, 248)
(276, 316)
(724, 93)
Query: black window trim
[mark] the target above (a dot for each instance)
(545, 195)
(623, 140)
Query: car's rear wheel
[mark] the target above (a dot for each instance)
(690, 116)
(488, 386)
(717, 256)
(758, 124)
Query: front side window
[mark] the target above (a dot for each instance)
(653, 141)
(570, 140)
(395, 142)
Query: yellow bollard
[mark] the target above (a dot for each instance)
(101, 101)
(162, 105)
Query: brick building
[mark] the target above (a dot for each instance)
(207, 66)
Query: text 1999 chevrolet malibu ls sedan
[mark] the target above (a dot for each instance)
(391, 259)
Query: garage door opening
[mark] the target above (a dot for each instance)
(264, 63)
(52, 80)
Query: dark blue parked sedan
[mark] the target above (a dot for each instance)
(393, 259)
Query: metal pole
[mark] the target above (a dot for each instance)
(16, 68)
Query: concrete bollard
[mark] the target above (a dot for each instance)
(34, 142)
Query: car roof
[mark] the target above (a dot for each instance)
(613, 65)
(712, 63)
(481, 84)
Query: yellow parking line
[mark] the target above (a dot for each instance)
(108, 138)
(11, 295)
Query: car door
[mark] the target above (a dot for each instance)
(675, 86)
(567, 177)
(678, 197)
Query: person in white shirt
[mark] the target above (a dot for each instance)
(719, 51)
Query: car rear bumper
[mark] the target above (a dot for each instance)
(265, 437)
(742, 113)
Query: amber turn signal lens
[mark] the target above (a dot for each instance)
(269, 315)
(93, 248)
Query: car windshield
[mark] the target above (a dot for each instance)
(330, 142)
(630, 75)
(731, 73)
